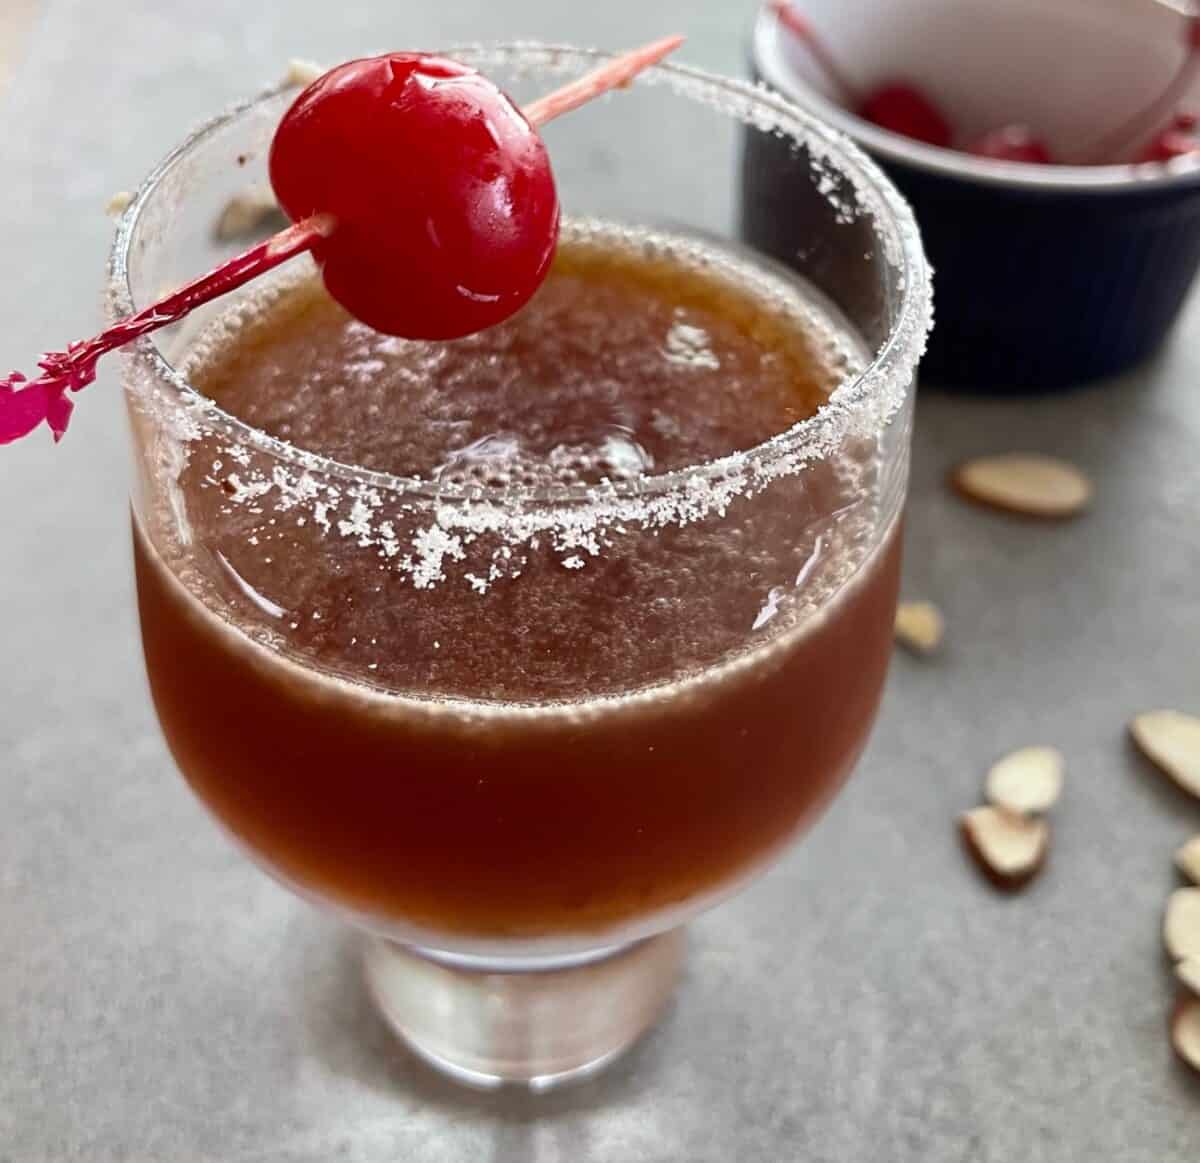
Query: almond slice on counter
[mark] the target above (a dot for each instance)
(1171, 741)
(920, 626)
(301, 73)
(118, 204)
(1188, 973)
(1187, 859)
(1009, 847)
(1027, 781)
(1025, 483)
(1185, 1031)
(1181, 924)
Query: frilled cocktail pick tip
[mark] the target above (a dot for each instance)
(25, 404)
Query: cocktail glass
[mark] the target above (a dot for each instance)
(521, 856)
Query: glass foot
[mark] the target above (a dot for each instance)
(535, 1022)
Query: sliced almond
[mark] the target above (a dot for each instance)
(1188, 973)
(1029, 780)
(1181, 924)
(301, 72)
(1020, 482)
(1185, 1031)
(248, 214)
(919, 626)
(1010, 848)
(1171, 740)
(1187, 859)
(118, 203)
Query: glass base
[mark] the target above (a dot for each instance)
(536, 1022)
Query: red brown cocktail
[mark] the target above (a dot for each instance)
(521, 648)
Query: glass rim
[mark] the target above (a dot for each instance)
(890, 371)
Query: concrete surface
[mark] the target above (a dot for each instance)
(871, 999)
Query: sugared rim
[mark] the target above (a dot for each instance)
(889, 374)
(770, 61)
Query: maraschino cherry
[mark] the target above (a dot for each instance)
(904, 108)
(895, 105)
(423, 192)
(441, 190)
(1177, 140)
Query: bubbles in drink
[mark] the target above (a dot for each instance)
(501, 460)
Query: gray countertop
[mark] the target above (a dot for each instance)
(870, 999)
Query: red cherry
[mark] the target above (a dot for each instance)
(1012, 143)
(1171, 143)
(896, 105)
(903, 108)
(443, 203)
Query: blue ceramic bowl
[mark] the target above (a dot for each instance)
(1045, 276)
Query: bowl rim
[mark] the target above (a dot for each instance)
(770, 65)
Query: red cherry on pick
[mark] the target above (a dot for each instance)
(903, 108)
(480, 152)
(446, 216)
(1012, 143)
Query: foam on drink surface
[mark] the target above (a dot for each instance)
(540, 563)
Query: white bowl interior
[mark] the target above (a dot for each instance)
(1072, 69)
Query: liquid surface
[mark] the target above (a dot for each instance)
(620, 364)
